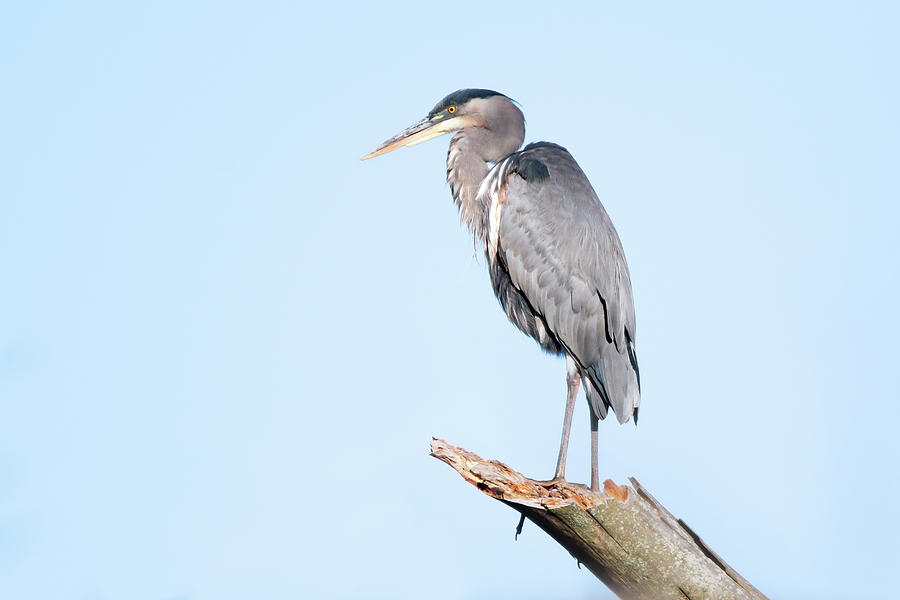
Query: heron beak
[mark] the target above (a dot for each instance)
(424, 130)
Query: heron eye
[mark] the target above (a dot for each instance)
(451, 109)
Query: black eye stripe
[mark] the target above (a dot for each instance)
(459, 98)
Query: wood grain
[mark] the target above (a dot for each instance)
(622, 534)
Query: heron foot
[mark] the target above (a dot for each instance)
(551, 482)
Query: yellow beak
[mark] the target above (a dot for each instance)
(424, 130)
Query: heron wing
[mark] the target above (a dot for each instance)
(563, 255)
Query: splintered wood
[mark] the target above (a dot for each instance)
(621, 533)
(499, 481)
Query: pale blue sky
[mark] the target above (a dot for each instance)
(225, 341)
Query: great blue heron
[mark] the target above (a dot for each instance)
(555, 259)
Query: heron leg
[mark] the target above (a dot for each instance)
(595, 451)
(573, 381)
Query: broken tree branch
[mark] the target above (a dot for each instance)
(624, 536)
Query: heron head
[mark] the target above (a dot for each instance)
(461, 109)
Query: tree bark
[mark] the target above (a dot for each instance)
(624, 536)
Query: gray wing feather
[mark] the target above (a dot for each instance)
(564, 257)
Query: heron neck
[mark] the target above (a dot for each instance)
(465, 171)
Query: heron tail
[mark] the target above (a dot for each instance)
(613, 382)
